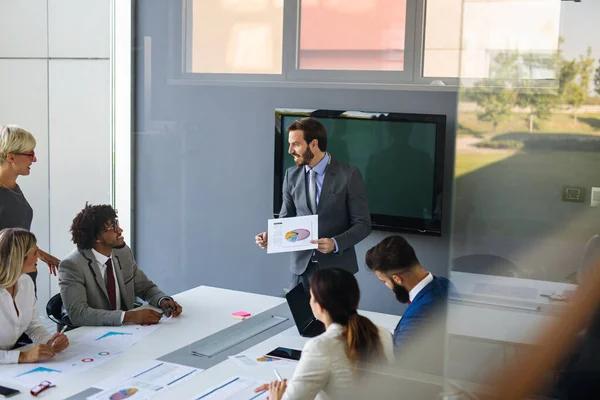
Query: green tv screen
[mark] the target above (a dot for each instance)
(396, 155)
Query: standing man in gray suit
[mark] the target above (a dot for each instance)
(319, 184)
(100, 279)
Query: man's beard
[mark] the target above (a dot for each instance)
(401, 293)
(305, 158)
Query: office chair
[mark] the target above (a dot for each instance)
(486, 264)
(54, 310)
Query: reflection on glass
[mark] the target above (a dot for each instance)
(462, 37)
(352, 35)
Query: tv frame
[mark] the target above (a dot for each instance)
(381, 222)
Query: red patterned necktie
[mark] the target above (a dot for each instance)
(110, 284)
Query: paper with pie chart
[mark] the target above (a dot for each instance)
(143, 380)
(74, 359)
(292, 234)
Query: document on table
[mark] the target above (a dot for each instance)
(144, 380)
(238, 388)
(292, 234)
(117, 337)
(74, 359)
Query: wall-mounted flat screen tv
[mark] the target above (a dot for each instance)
(400, 157)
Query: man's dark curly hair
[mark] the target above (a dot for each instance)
(90, 223)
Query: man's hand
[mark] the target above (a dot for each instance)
(325, 245)
(261, 240)
(40, 352)
(51, 261)
(58, 342)
(170, 307)
(144, 316)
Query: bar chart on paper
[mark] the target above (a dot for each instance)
(118, 337)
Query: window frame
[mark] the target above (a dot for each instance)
(411, 78)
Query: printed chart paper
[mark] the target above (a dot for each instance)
(238, 388)
(292, 234)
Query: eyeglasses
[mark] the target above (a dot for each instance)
(32, 154)
(114, 227)
(41, 387)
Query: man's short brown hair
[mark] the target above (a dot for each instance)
(312, 129)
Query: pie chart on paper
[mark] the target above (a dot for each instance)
(297, 235)
(123, 394)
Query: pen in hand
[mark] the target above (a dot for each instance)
(64, 328)
(277, 375)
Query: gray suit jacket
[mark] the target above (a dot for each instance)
(84, 293)
(343, 213)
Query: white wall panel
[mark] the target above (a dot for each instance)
(24, 29)
(79, 28)
(79, 98)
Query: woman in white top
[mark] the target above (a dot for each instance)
(18, 305)
(332, 361)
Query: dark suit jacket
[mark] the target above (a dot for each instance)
(419, 336)
(343, 213)
(84, 292)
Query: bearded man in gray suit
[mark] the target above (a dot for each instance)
(320, 184)
(100, 279)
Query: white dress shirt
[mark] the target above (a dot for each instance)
(101, 259)
(424, 282)
(324, 366)
(13, 325)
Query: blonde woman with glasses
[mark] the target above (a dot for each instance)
(18, 304)
(17, 155)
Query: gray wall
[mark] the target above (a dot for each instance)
(204, 173)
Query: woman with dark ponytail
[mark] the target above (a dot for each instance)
(333, 361)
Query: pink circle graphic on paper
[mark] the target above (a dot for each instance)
(87, 360)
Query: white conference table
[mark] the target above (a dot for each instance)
(206, 310)
(501, 317)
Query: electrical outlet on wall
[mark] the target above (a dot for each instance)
(573, 193)
(595, 197)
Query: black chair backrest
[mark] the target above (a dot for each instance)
(54, 312)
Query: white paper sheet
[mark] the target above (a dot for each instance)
(74, 359)
(117, 337)
(237, 388)
(144, 380)
(292, 234)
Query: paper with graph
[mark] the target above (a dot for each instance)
(292, 234)
(74, 359)
(117, 337)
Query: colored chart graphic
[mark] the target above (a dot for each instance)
(297, 235)
(123, 394)
(266, 359)
(87, 360)
(38, 370)
(109, 334)
(104, 353)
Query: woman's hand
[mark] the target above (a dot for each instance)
(50, 260)
(58, 342)
(275, 388)
(40, 352)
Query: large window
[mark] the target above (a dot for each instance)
(368, 41)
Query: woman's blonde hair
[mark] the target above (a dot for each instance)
(15, 245)
(14, 139)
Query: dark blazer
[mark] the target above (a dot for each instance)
(84, 292)
(343, 213)
(431, 299)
